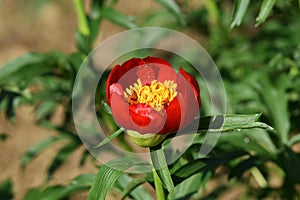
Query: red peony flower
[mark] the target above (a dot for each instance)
(148, 96)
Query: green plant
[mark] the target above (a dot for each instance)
(260, 69)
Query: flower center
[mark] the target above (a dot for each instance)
(157, 94)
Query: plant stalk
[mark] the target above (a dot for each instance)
(159, 189)
(81, 18)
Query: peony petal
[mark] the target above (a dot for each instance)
(119, 107)
(161, 61)
(193, 83)
(173, 112)
(162, 69)
(145, 119)
(188, 101)
(129, 76)
(166, 73)
(146, 74)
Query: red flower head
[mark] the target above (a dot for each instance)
(148, 96)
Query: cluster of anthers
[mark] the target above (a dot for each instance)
(157, 94)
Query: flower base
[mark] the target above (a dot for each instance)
(146, 140)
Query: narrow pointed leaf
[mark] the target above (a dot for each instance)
(161, 167)
(110, 137)
(61, 157)
(132, 186)
(225, 123)
(118, 18)
(294, 140)
(108, 175)
(240, 9)
(18, 63)
(59, 192)
(172, 6)
(36, 149)
(265, 10)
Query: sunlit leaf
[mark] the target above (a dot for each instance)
(130, 187)
(108, 174)
(240, 9)
(229, 122)
(118, 18)
(161, 167)
(172, 6)
(294, 140)
(265, 10)
(45, 109)
(110, 137)
(189, 186)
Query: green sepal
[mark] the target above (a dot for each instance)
(146, 140)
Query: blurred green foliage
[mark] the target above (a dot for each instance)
(256, 46)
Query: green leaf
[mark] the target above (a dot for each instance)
(160, 165)
(172, 6)
(294, 140)
(45, 109)
(82, 43)
(110, 137)
(75, 60)
(159, 189)
(132, 185)
(257, 141)
(108, 175)
(61, 157)
(78, 184)
(81, 18)
(6, 191)
(84, 157)
(189, 186)
(225, 123)
(16, 64)
(132, 188)
(3, 137)
(275, 98)
(36, 149)
(118, 18)
(290, 161)
(265, 10)
(160, 18)
(240, 9)
(50, 193)
(204, 165)
(244, 165)
(106, 107)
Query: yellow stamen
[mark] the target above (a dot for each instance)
(157, 94)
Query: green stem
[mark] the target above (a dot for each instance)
(159, 189)
(81, 17)
(213, 12)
